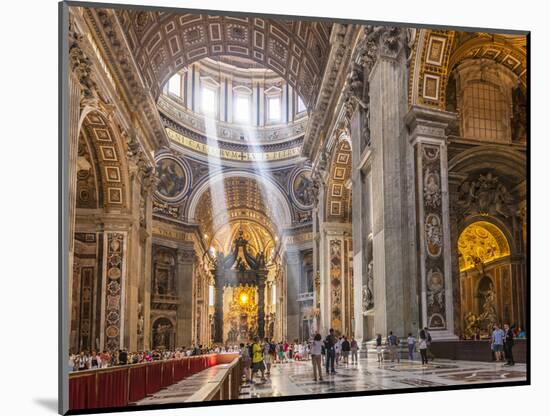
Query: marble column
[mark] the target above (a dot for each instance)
(218, 305)
(361, 226)
(184, 290)
(427, 136)
(262, 275)
(393, 218)
(293, 265)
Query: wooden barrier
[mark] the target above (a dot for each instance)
(225, 385)
(121, 385)
(470, 350)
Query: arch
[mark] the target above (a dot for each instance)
(164, 43)
(504, 161)
(338, 196)
(166, 337)
(89, 188)
(272, 188)
(110, 155)
(481, 242)
(437, 52)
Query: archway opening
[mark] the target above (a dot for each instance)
(486, 278)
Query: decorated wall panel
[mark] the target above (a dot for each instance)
(336, 285)
(114, 284)
(433, 236)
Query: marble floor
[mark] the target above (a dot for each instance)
(296, 378)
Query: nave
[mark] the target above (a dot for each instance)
(295, 378)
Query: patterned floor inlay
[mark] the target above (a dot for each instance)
(296, 378)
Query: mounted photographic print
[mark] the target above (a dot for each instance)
(261, 208)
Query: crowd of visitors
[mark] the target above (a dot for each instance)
(260, 356)
(93, 360)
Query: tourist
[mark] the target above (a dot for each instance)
(330, 342)
(267, 355)
(281, 352)
(429, 352)
(423, 346)
(257, 359)
(354, 348)
(393, 344)
(307, 352)
(497, 343)
(122, 357)
(379, 351)
(346, 348)
(521, 333)
(105, 358)
(508, 344)
(82, 361)
(95, 361)
(338, 351)
(286, 350)
(246, 360)
(72, 362)
(410, 345)
(316, 348)
(298, 353)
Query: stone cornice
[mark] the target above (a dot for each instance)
(343, 40)
(111, 41)
(427, 123)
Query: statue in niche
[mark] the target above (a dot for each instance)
(162, 335)
(161, 287)
(370, 286)
(141, 324)
(141, 321)
(488, 310)
(364, 300)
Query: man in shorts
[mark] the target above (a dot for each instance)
(257, 359)
(497, 340)
(268, 351)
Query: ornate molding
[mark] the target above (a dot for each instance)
(105, 27)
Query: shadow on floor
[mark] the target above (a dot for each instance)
(48, 404)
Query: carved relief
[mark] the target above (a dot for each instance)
(434, 235)
(432, 189)
(486, 195)
(435, 283)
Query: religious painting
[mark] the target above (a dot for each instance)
(302, 188)
(172, 180)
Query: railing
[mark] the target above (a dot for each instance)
(121, 385)
(225, 385)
